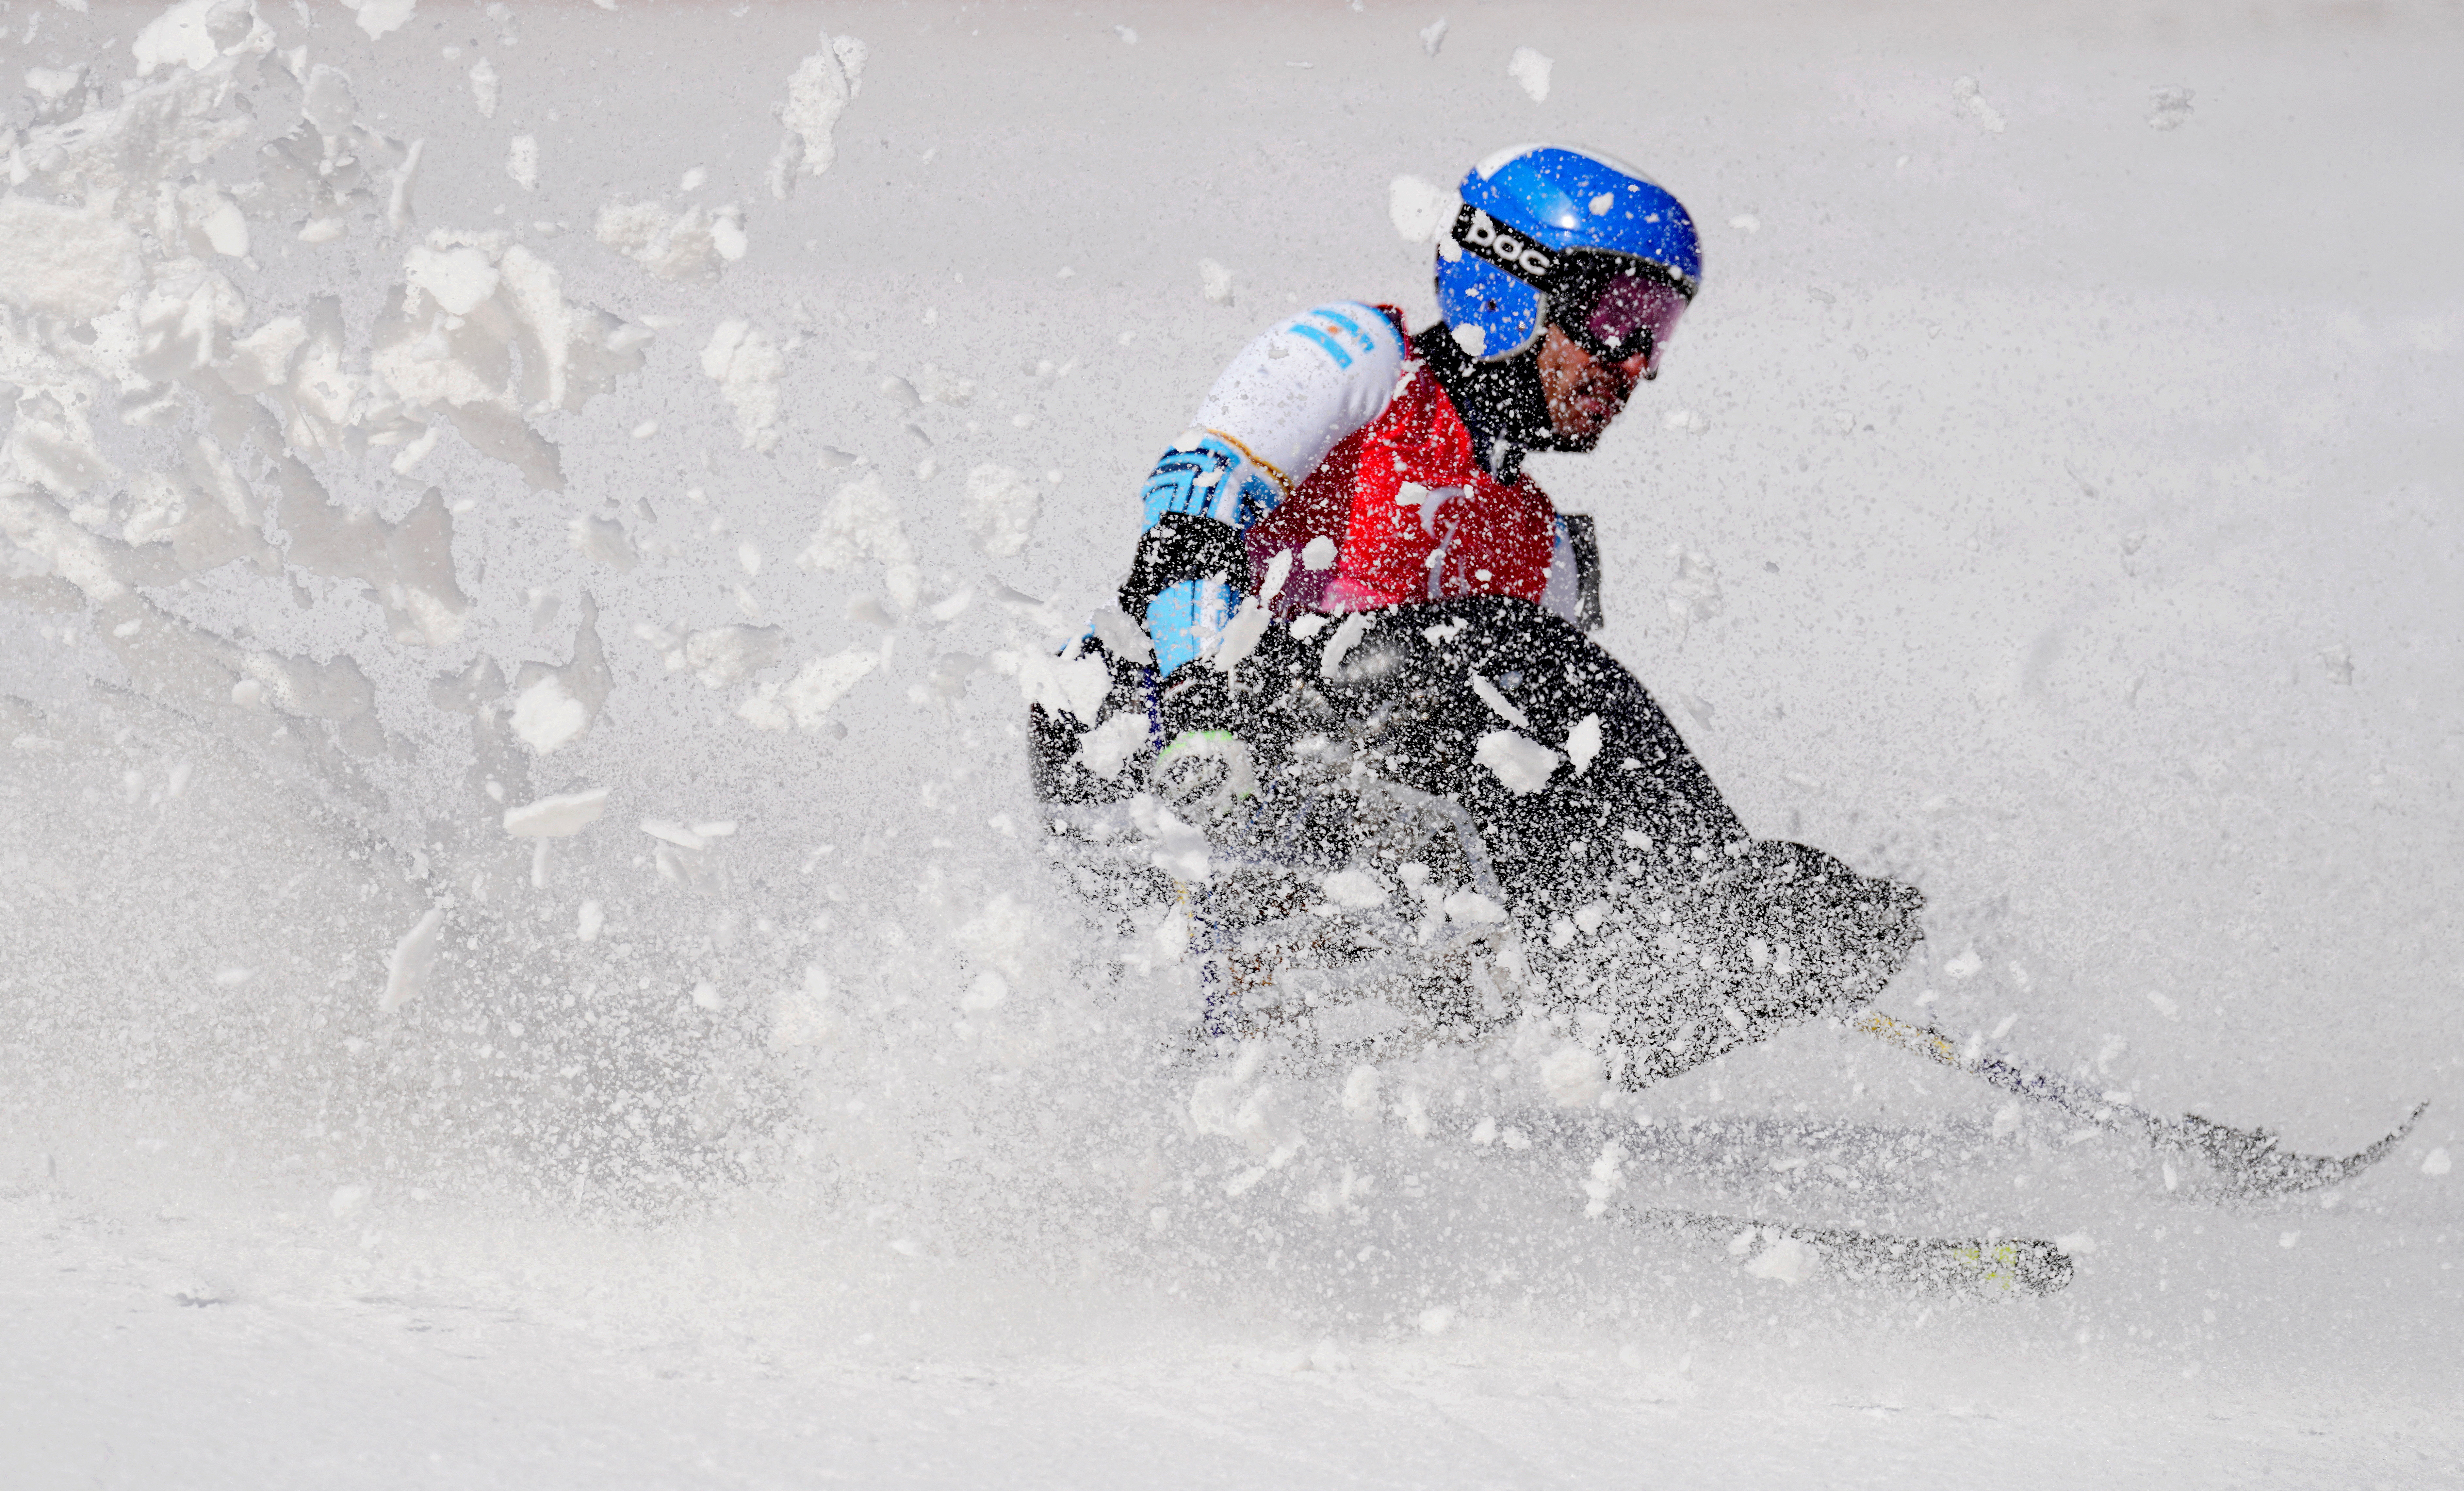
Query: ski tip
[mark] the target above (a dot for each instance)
(2402, 1131)
(2353, 1164)
(2251, 1167)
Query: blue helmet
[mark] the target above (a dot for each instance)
(1538, 221)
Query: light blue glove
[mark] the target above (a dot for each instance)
(1210, 495)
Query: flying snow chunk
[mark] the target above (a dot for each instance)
(2170, 108)
(1530, 69)
(1356, 889)
(1360, 1093)
(933, 386)
(861, 522)
(377, 17)
(721, 655)
(471, 372)
(182, 36)
(71, 262)
(1792, 1261)
(1471, 908)
(521, 162)
(601, 539)
(747, 366)
(1523, 765)
(1571, 1075)
(1000, 934)
(52, 84)
(1215, 283)
(1972, 101)
(1319, 555)
(1745, 222)
(999, 509)
(557, 817)
(414, 959)
(1498, 704)
(225, 227)
(1242, 633)
(802, 1016)
(699, 240)
(346, 1202)
(1416, 208)
(1076, 685)
(1583, 743)
(2436, 1163)
(1606, 1180)
(804, 700)
(1278, 570)
(822, 86)
(1178, 849)
(484, 87)
(1694, 593)
(1109, 747)
(546, 714)
(588, 920)
(458, 278)
(1348, 635)
(1433, 37)
(175, 38)
(669, 832)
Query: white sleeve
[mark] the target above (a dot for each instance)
(1293, 393)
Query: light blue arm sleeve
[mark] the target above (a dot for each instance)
(1287, 400)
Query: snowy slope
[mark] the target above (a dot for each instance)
(2052, 500)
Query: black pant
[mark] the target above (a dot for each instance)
(1646, 909)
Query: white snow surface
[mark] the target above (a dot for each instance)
(2063, 516)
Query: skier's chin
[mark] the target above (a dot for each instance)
(1584, 414)
(1577, 436)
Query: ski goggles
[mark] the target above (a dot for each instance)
(1612, 306)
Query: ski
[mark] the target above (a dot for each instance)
(1992, 1265)
(2241, 1163)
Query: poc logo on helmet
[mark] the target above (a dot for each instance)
(1476, 230)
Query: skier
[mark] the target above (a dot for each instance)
(1344, 554)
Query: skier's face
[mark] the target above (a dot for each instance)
(1586, 393)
